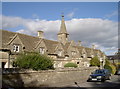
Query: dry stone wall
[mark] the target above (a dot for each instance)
(49, 78)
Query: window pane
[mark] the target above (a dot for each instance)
(42, 50)
(16, 48)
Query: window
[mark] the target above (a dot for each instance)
(59, 53)
(92, 56)
(16, 48)
(42, 50)
(84, 55)
(73, 53)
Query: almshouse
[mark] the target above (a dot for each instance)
(62, 51)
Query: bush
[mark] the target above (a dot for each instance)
(110, 67)
(107, 62)
(34, 61)
(70, 65)
(117, 65)
(95, 62)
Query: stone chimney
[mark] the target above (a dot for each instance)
(40, 34)
(79, 43)
(93, 46)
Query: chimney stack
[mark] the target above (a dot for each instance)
(93, 46)
(79, 43)
(40, 34)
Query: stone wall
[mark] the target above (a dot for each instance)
(52, 78)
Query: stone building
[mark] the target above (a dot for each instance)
(62, 51)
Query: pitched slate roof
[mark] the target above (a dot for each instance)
(80, 48)
(88, 50)
(6, 37)
(96, 51)
(28, 41)
(51, 45)
(65, 47)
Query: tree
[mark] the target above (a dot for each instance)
(95, 62)
(34, 61)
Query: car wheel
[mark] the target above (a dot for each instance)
(109, 78)
(88, 80)
(103, 80)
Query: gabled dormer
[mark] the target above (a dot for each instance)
(59, 50)
(41, 47)
(15, 44)
(84, 53)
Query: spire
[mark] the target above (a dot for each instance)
(63, 27)
(63, 35)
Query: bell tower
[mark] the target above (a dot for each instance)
(63, 35)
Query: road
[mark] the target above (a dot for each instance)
(114, 82)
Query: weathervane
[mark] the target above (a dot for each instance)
(62, 14)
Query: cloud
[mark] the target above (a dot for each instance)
(105, 32)
(11, 22)
(102, 33)
(70, 15)
(114, 13)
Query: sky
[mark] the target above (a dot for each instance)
(91, 22)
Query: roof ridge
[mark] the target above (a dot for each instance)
(26, 35)
(50, 40)
(29, 35)
(8, 31)
(20, 33)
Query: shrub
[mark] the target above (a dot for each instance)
(117, 65)
(34, 61)
(94, 61)
(107, 62)
(71, 65)
(110, 67)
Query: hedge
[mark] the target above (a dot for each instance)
(70, 64)
(33, 61)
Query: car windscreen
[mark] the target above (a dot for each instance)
(98, 72)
